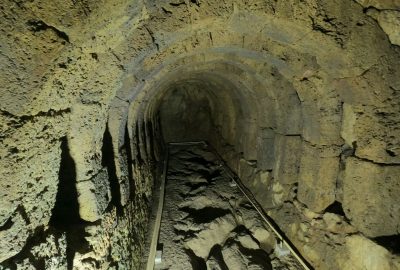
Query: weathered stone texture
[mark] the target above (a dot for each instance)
(94, 195)
(370, 197)
(319, 170)
(362, 253)
(300, 98)
(287, 150)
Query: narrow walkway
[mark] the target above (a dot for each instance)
(207, 223)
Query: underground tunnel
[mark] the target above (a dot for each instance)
(200, 134)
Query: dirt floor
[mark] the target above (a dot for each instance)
(207, 223)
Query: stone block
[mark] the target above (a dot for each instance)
(265, 149)
(371, 197)
(317, 178)
(287, 157)
(322, 121)
(371, 132)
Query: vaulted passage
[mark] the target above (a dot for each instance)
(299, 100)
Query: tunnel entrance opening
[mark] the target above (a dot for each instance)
(205, 108)
(186, 114)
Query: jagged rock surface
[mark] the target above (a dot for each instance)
(300, 98)
(208, 223)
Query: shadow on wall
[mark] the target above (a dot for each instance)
(108, 161)
(66, 210)
(65, 215)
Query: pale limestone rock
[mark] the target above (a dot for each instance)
(251, 220)
(278, 194)
(363, 254)
(336, 224)
(311, 253)
(61, 56)
(389, 20)
(215, 233)
(87, 201)
(212, 264)
(305, 211)
(202, 201)
(234, 258)
(266, 239)
(349, 119)
(370, 197)
(247, 242)
(374, 136)
(6, 210)
(85, 145)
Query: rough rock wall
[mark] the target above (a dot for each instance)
(59, 73)
(307, 114)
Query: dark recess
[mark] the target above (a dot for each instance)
(151, 140)
(38, 25)
(65, 214)
(217, 254)
(138, 154)
(390, 153)
(108, 161)
(66, 210)
(128, 149)
(95, 56)
(204, 215)
(336, 208)
(256, 257)
(196, 262)
(390, 242)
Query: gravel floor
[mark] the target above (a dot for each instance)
(207, 223)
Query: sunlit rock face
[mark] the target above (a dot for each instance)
(300, 98)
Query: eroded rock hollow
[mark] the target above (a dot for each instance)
(301, 99)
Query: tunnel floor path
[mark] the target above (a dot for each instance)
(207, 223)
